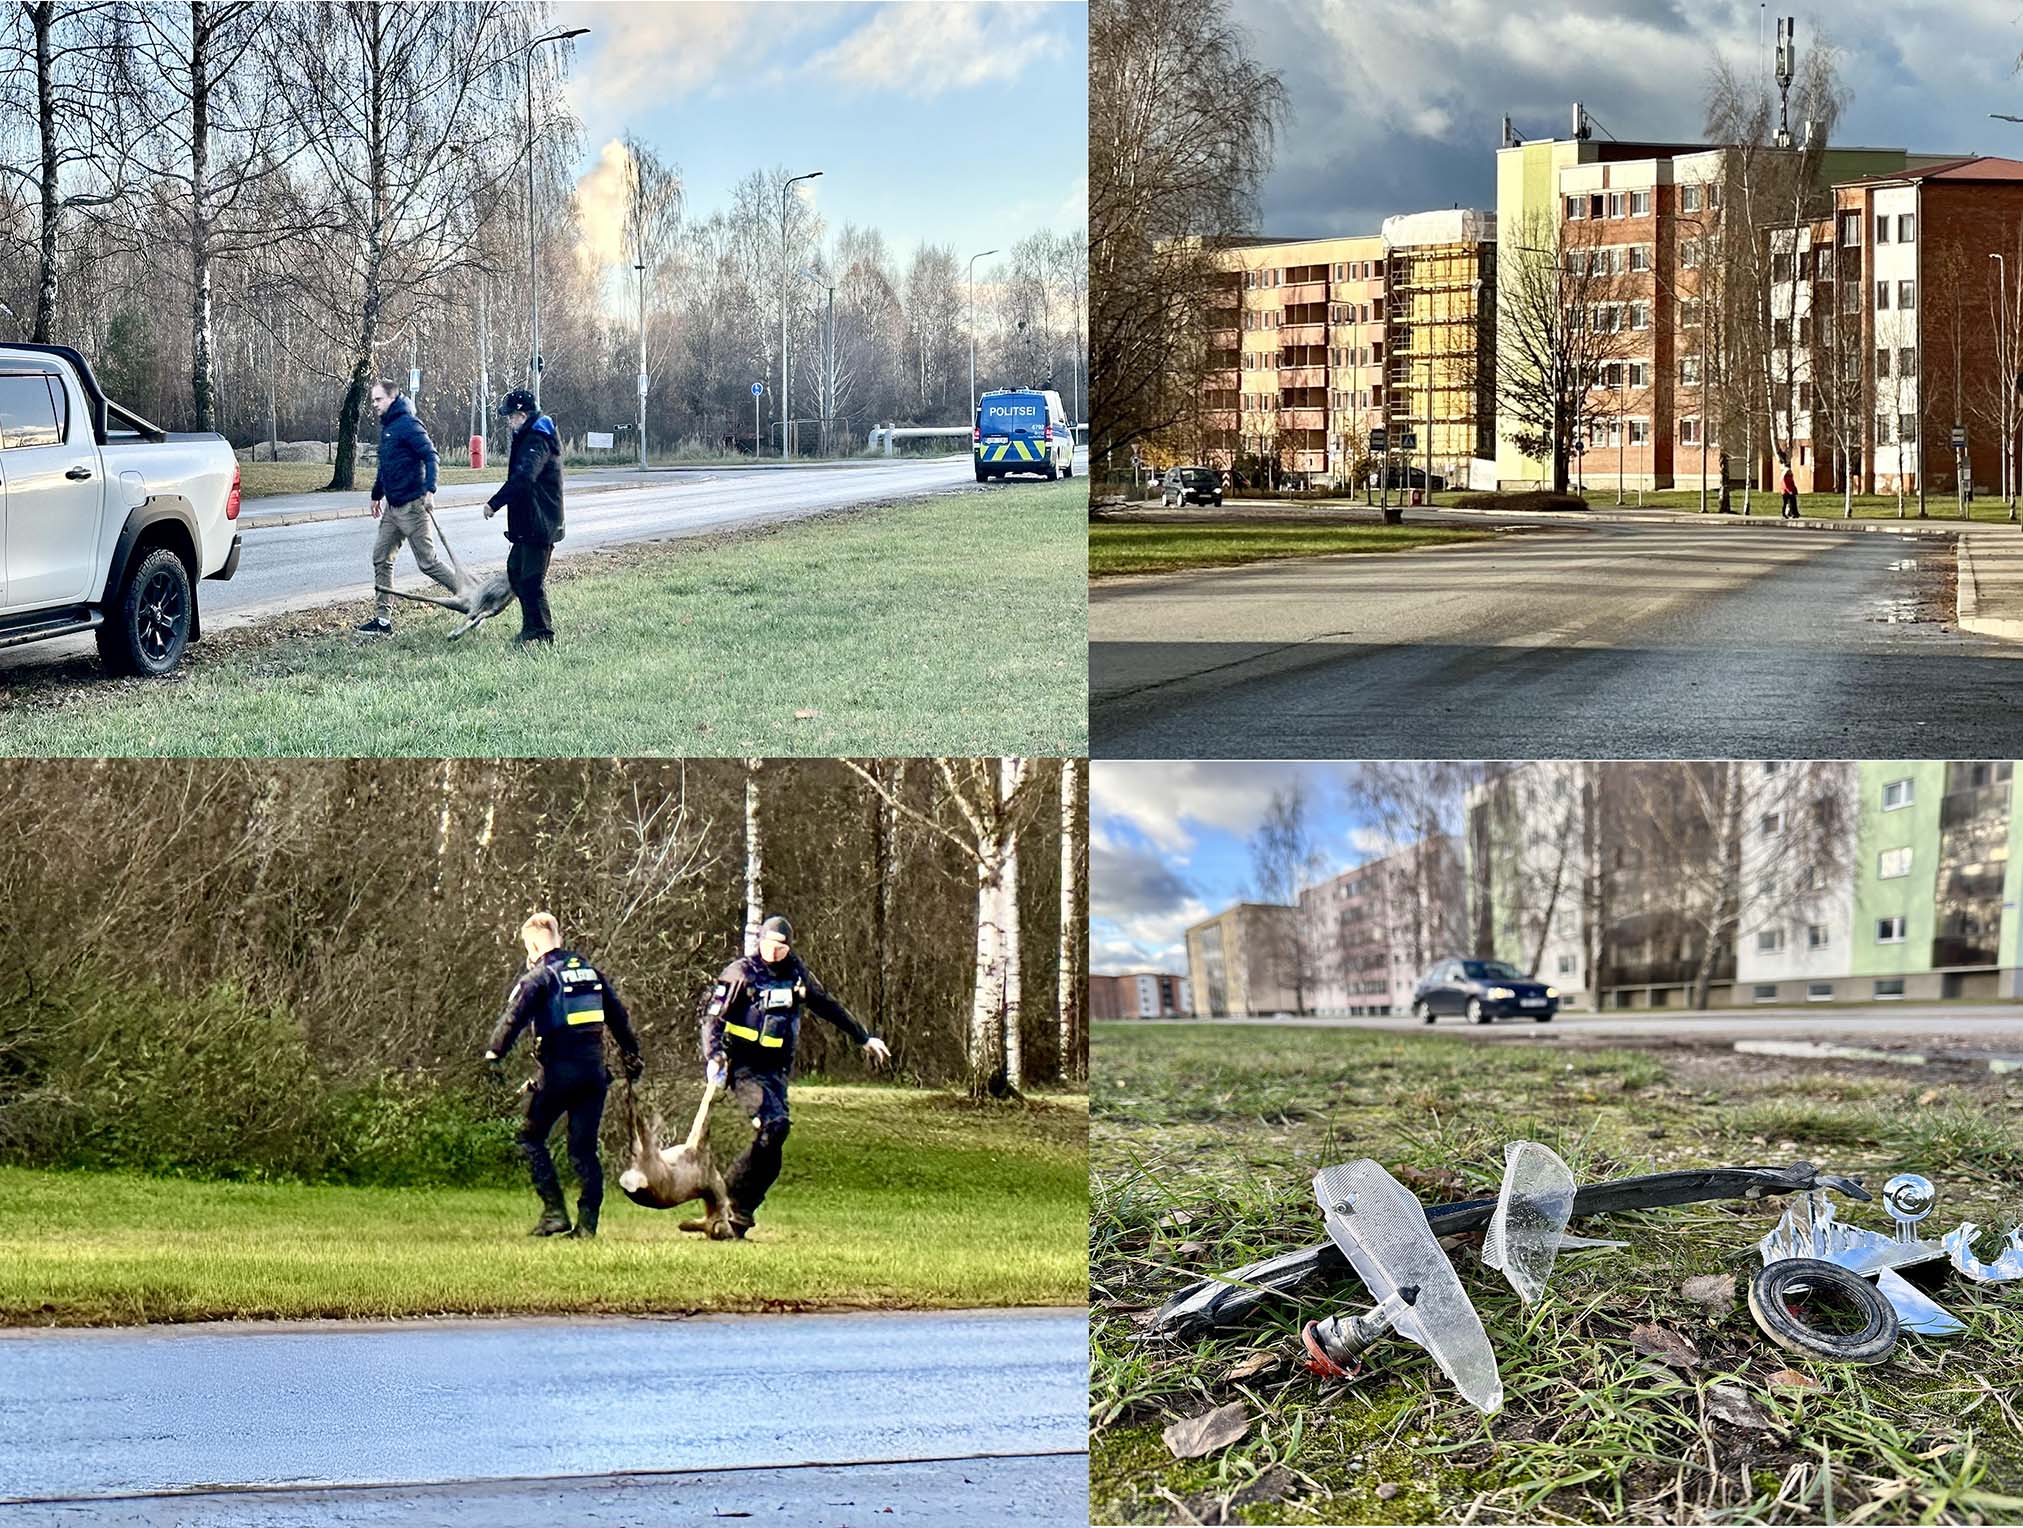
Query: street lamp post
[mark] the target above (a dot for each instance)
(828, 358)
(786, 392)
(533, 274)
(972, 329)
(2006, 361)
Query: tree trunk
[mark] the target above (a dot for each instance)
(755, 859)
(1070, 982)
(1008, 924)
(344, 469)
(41, 15)
(986, 1049)
(202, 388)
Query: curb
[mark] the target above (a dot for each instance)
(1967, 614)
(253, 519)
(1757, 522)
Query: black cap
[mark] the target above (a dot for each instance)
(778, 928)
(519, 401)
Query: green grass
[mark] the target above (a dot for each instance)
(1811, 506)
(1225, 1125)
(947, 625)
(1159, 548)
(889, 1198)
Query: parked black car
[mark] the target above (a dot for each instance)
(1483, 990)
(1202, 485)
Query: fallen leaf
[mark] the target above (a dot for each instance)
(1716, 1291)
(1791, 1379)
(1250, 1367)
(1174, 1218)
(806, 714)
(1191, 1437)
(1190, 1249)
(1731, 1404)
(1665, 1346)
(1929, 1096)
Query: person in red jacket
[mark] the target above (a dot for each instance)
(1790, 490)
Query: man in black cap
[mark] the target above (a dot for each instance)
(570, 1003)
(750, 1027)
(532, 499)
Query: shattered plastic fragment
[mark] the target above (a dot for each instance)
(1917, 1311)
(1383, 1232)
(1959, 1244)
(1809, 1229)
(1531, 1211)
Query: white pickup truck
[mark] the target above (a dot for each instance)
(109, 522)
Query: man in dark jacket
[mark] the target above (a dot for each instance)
(749, 1030)
(532, 499)
(569, 1002)
(403, 495)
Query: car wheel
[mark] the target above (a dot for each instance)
(1050, 472)
(1218, 501)
(1544, 1018)
(981, 475)
(1067, 469)
(148, 626)
(1422, 1012)
(1475, 1013)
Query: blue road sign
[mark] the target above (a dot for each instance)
(757, 388)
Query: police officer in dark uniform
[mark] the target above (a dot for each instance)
(531, 496)
(570, 1003)
(750, 1026)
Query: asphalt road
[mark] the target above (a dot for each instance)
(292, 567)
(1644, 641)
(1976, 1028)
(949, 1416)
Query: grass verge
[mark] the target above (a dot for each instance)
(1811, 506)
(262, 480)
(1116, 548)
(947, 625)
(1203, 1145)
(889, 1199)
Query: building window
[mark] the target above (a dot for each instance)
(1907, 224)
(1780, 332)
(1850, 228)
(1780, 267)
(1907, 427)
(1889, 986)
(1566, 965)
(1882, 228)
(1882, 430)
(1889, 930)
(1765, 992)
(1689, 199)
(1906, 294)
(1377, 353)
(1640, 315)
(1689, 432)
(1640, 432)
(1804, 401)
(1640, 371)
(1689, 371)
(1892, 863)
(1689, 313)
(1819, 992)
(1689, 254)
(1815, 936)
(1640, 257)
(1769, 941)
(1882, 363)
(1376, 310)
(1640, 204)
(1907, 361)
(1899, 793)
(1882, 296)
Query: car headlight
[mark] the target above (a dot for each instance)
(1500, 994)
(1552, 992)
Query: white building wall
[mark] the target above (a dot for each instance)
(1774, 933)
(1895, 329)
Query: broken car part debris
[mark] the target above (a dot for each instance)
(1959, 1245)
(1383, 1232)
(1772, 1301)
(1532, 1210)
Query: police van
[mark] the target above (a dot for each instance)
(1022, 430)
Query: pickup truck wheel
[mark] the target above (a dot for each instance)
(148, 626)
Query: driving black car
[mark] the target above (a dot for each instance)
(1202, 485)
(1482, 990)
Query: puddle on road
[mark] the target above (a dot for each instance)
(1921, 595)
(1904, 565)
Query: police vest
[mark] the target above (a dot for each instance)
(579, 995)
(771, 1007)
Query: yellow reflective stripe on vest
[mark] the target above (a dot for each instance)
(771, 1042)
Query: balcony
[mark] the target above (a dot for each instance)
(1302, 376)
(1303, 334)
(1306, 291)
(1224, 339)
(1303, 419)
(1223, 379)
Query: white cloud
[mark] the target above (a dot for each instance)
(1073, 212)
(1162, 800)
(924, 50)
(602, 197)
(640, 57)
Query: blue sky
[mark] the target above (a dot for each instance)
(1397, 104)
(960, 124)
(1169, 845)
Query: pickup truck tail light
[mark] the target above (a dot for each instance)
(232, 498)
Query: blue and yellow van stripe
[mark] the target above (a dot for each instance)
(1011, 451)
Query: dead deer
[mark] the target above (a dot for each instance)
(477, 600)
(662, 1178)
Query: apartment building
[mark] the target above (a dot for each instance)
(1241, 962)
(1138, 995)
(1887, 332)
(1301, 348)
(1650, 215)
(1369, 933)
(1909, 890)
